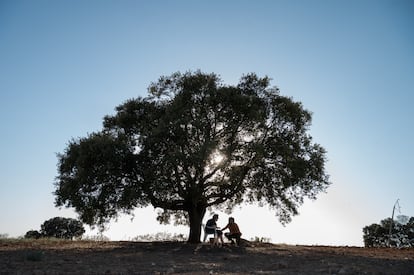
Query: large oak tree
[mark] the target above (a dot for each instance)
(192, 144)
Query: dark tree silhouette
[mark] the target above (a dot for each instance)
(191, 144)
(62, 228)
(402, 233)
(33, 234)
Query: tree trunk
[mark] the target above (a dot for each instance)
(196, 215)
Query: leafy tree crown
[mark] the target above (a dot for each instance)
(191, 144)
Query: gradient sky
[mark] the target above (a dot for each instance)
(64, 65)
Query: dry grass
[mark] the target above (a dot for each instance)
(54, 256)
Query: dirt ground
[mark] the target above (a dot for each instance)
(89, 257)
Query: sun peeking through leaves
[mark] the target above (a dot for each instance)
(216, 158)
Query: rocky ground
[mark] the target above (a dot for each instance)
(89, 257)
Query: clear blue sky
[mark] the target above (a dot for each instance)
(64, 65)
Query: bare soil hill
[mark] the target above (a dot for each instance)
(89, 257)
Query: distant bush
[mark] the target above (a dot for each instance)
(96, 238)
(402, 233)
(4, 236)
(261, 239)
(33, 234)
(160, 236)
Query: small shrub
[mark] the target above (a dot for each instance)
(96, 238)
(160, 236)
(33, 234)
(261, 239)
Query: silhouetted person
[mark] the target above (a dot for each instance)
(234, 231)
(211, 228)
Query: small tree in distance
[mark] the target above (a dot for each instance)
(193, 144)
(377, 235)
(62, 228)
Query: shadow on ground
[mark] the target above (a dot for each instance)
(86, 257)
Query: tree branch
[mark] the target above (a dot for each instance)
(171, 205)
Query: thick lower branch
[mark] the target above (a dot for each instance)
(170, 205)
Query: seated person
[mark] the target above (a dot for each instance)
(234, 231)
(211, 228)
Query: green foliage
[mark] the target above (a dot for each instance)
(402, 233)
(62, 228)
(193, 144)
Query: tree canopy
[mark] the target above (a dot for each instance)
(194, 143)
